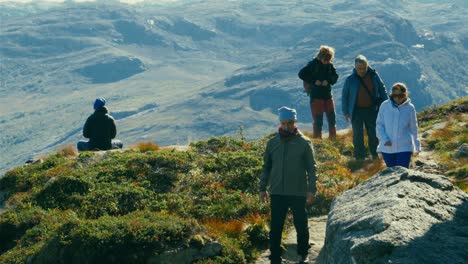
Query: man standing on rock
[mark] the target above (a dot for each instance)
(289, 171)
(100, 129)
(363, 92)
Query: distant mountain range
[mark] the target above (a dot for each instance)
(177, 72)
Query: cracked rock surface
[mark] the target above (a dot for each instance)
(398, 216)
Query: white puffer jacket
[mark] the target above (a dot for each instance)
(398, 124)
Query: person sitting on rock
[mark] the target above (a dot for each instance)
(397, 128)
(100, 129)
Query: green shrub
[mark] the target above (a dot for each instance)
(63, 192)
(132, 238)
(232, 252)
(161, 169)
(175, 203)
(114, 199)
(218, 144)
(258, 234)
(23, 178)
(246, 179)
(10, 180)
(85, 157)
(13, 225)
(226, 206)
(237, 170)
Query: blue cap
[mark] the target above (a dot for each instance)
(100, 102)
(287, 113)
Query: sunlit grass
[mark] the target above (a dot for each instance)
(462, 184)
(146, 146)
(445, 141)
(67, 151)
(231, 228)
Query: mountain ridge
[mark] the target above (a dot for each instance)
(192, 60)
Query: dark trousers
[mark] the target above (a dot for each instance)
(364, 117)
(83, 145)
(397, 159)
(279, 209)
(319, 107)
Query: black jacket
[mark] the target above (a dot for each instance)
(316, 70)
(100, 129)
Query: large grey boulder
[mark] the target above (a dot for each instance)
(398, 216)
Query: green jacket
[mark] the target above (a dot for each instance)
(289, 166)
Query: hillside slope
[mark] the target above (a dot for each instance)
(205, 69)
(103, 206)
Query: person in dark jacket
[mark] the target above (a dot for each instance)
(318, 77)
(289, 172)
(362, 94)
(100, 129)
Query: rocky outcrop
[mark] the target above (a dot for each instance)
(398, 216)
(112, 70)
(462, 151)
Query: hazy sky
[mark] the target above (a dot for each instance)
(61, 1)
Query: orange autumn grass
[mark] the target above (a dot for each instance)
(145, 146)
(351, 179)
(232, 228)
(67, 151)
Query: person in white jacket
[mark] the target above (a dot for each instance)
(397, 128)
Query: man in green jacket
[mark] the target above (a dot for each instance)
(289, 172)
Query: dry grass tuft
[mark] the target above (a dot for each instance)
(67, 151)
(231, 228)
(369, 170)
(255, 219)
(145, 146)
(462, 184)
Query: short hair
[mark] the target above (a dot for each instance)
(361, 59)
(400, 86)
(325, 52)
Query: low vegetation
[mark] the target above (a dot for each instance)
(446, 132)
(140, 202)
(130, 206)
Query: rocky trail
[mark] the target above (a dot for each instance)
(317, 227)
